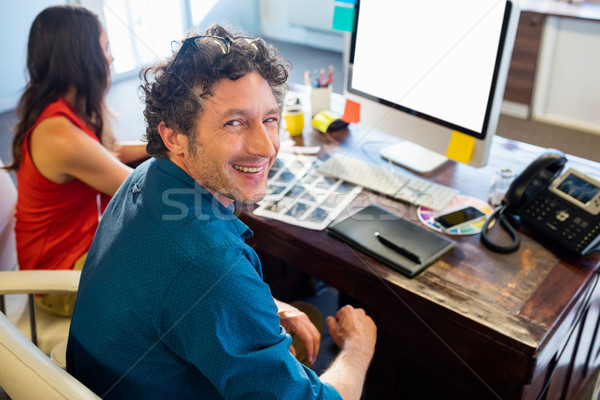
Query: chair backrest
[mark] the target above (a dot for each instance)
(8, 199)
(27, 373)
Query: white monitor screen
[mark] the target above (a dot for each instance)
(433, 58)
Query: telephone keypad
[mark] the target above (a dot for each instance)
(562, 221)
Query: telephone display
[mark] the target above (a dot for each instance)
(579, 189)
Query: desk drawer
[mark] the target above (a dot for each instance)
(577, 355)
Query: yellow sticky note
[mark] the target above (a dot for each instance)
(460, 147)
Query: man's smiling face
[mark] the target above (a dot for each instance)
(236, 140)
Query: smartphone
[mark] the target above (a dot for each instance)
(459, 217)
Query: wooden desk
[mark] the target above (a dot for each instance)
(473, 325)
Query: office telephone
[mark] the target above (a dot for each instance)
(564, 209)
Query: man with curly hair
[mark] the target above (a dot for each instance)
(171, 302)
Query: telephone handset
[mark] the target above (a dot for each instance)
(534, 178)
(564, 209)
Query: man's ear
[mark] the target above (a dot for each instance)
(175, 142)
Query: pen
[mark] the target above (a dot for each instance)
(329, 76)
(402, 251)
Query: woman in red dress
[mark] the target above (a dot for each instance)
(67, 160)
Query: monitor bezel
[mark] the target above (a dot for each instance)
(491, 95)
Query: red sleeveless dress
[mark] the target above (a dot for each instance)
(55, 222)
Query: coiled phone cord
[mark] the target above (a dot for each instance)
(487, 241)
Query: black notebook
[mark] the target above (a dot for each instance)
(400, 244)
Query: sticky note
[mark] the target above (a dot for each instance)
(460, 147)
(351, 111)
(343, 18)
(353, 2)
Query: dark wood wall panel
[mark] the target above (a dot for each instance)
(521, 75)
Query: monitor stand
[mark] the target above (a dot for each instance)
(412, 156)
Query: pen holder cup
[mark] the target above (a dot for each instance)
(320, 100)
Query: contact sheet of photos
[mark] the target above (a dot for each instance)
(286, 171)
(297, 195)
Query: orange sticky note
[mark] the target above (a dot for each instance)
(351, 112)
(460, 147)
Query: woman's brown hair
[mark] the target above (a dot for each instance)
(64, 52)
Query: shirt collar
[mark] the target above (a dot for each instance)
(174, 170)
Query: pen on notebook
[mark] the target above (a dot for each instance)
(400, 250)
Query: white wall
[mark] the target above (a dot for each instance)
(241, 13)
(15, 21)
(305, 22)
(567, 88)
(244, 14)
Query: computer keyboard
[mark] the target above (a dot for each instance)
(412, 190)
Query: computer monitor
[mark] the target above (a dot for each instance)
(423, 69)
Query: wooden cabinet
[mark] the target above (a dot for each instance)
(521, 75)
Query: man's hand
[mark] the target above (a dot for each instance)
(355, 333)
(353, 330)
(294, 320)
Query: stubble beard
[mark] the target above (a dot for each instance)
(210, 176)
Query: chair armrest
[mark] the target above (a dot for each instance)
(39, 281)
(27, 373)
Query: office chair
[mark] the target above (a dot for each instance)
(8, 199)
(55, 328)
(27, 373)
(43, 281)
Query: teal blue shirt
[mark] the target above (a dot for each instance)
(172, 304)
